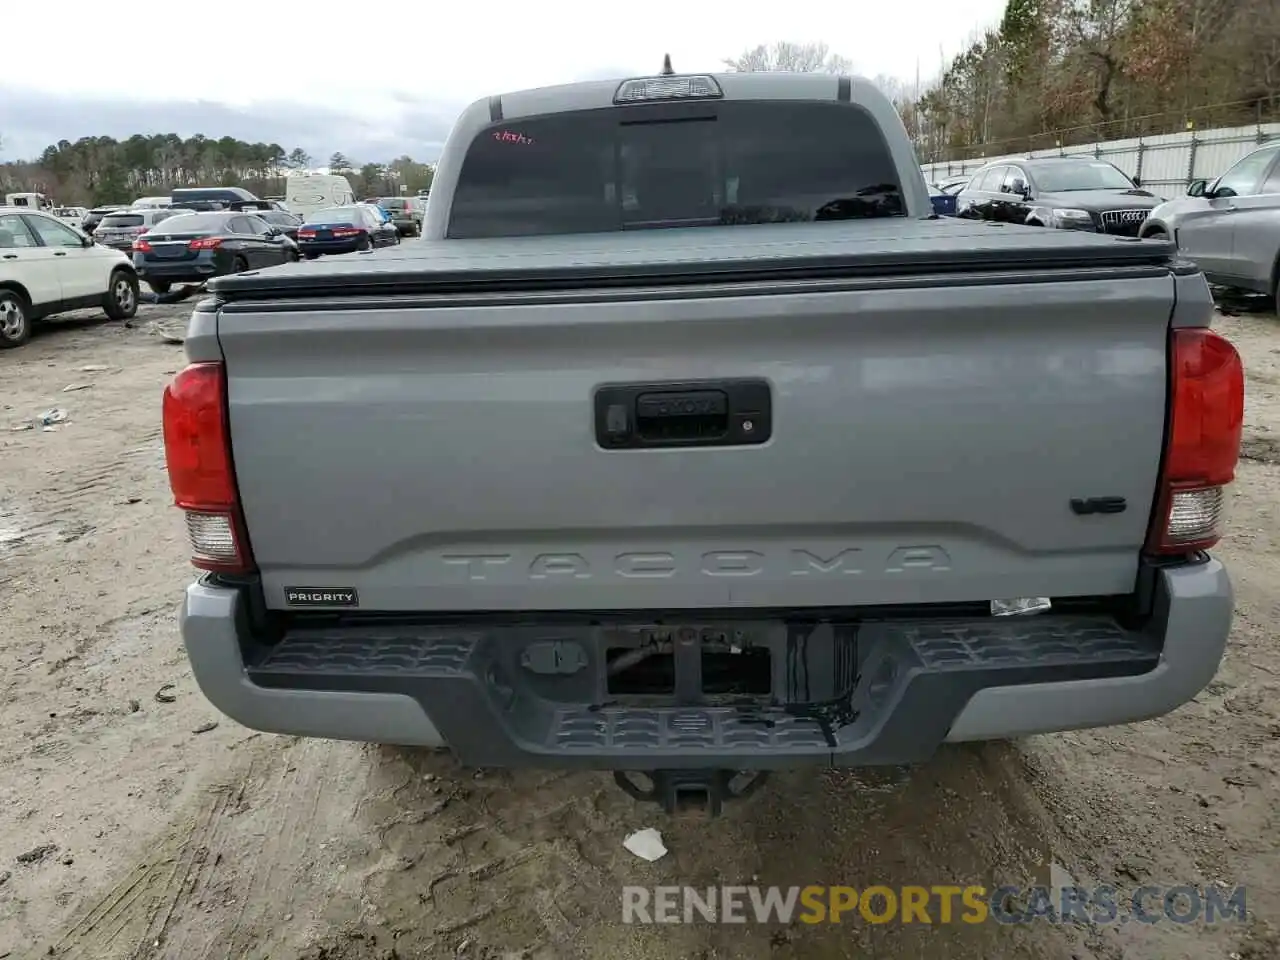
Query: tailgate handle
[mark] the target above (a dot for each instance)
(719, 413)
(682, 417)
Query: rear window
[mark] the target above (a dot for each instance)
(737, 162)
(192, 223)
(392, 203)
(121, 220)
(333, 215)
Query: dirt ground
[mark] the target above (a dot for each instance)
(137, 822)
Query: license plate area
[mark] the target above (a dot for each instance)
(702, 663)
(729, 661)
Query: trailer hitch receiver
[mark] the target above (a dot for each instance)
(679, 791)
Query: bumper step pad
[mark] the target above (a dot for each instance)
(912, 680)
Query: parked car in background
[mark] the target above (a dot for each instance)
(193, 247)
(1069, 193)
(91, 219)
(46, 267)
(31, 201)
(121, 228)
(317, 191)
(406, 214)
(287, 223)
(382, 213)
(71, 216)
(344, 230)
(1231, 226)
(193, 198)
(944, 204)
(254, 206)
(206, 206)
(150, 203)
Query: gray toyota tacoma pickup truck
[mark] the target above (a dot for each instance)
(689, 444)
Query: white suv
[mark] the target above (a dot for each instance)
(46, 267)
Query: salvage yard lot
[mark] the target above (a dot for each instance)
(135, 821)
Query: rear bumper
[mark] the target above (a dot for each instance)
(181, 271)
(315, 247)
(918, 684)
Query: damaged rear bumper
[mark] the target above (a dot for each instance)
(880, 692)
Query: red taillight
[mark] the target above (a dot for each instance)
(1206, 412)
(142, 246)
(205, 243)
(347, 232)
(197, 450)
(306, 234)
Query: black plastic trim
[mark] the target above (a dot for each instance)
(696, 413)
(1012, 265)
(912, 682)
(699, 110)
(412, 297)
(1077, 606)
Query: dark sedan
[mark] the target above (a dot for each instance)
(344, 230)
(196, 247)
(94, 216)
(287, 223)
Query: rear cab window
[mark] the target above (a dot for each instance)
(733, 162)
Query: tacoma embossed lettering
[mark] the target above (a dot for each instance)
(659, 564)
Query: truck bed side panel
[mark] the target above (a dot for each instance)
(927, 444)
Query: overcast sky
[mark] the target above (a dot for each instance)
(105, 71)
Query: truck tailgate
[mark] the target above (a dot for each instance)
(927, 443)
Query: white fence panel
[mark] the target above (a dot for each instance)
(1167, 163)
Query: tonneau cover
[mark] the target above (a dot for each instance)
(699, 254)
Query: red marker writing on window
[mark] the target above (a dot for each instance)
(511, 136)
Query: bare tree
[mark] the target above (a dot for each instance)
(1096, 30)
(789, 57)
